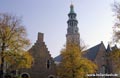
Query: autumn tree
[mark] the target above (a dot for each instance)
(115, 59)
(115, 54)
(12, 38)
(73, 65)
(17, 60)
(116, 28)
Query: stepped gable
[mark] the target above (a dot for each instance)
(43, 64)
(39, 48)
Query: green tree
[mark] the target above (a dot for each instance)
(73, 65)
(12, 37)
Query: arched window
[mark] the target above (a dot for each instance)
(51, 76)
(48, 64)
(25, 75)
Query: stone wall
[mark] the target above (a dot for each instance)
(43, 65)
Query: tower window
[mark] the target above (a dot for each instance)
(75, 31)
(70, 17)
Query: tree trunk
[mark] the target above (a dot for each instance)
(2, 67)
(2, 61)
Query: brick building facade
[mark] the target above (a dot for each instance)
(43, 64)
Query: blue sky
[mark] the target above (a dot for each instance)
(95, 19)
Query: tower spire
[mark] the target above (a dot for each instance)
(71, 7)
(72, 35)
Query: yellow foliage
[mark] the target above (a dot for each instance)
(17, 60)
(73, 65)
(115, 57)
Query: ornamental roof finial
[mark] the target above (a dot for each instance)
(71, 7)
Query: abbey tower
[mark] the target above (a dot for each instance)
(72, 35)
